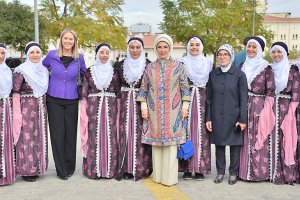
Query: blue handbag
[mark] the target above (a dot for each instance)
(186, 150)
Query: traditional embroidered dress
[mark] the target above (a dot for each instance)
(283, 170)
(287, 80)
(197, 69)
(135, 157)
(30, 83)
(7, 165)
(102, 149)
(256, 158)
(164, 87)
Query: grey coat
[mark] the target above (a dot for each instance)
(227, 97)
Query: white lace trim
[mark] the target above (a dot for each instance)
(277, 152)
(98, 136)
(3, 137)
(44, 135)
(249, 149)
(134, 134)
(101, 95)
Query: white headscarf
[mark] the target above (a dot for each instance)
(254, 66)
(102, 73)
(281, 69)
(197, 67)
(6, 84)
(35, 74)
(134, 68)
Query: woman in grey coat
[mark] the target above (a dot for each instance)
(226, 112)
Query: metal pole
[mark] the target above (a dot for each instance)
(253, 17)
(36, 22)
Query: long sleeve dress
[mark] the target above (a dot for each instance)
(31, 147)
(283, 170)
(200, 162)
(255, 163)
(135, 157)
(102, 145)
(7, 164)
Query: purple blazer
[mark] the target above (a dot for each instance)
(63, 81)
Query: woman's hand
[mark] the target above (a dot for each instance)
(145, 114)
(243, 126)
(184, 113)
(209, 126)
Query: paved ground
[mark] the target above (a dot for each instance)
(80, 187)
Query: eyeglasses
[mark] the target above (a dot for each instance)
(223, 55)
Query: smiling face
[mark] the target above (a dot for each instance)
(251, 49)
(194, 47)
(223, 58)
(163, 50)
(104, 55)
(67, 41)
(35, 55)
(135, 50)
(2, 55)
(276, 55)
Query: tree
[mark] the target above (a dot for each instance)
(94, 21)
(216, 21)
(17, 25)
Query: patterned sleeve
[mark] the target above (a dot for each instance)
(116, 82)
(85, 87)
(17, 82)
(295, 85)
(143, 92)
(270, 82)
(184, 85)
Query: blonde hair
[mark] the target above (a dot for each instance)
(75, 53)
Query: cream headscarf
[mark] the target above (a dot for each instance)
(163, 38)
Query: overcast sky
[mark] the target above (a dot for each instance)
(149, 11)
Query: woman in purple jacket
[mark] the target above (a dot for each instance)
(64, 65)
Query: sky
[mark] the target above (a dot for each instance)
(149, 11)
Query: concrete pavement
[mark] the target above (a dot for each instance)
(79, 187)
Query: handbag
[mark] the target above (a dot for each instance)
(79, 82)
(186, 150)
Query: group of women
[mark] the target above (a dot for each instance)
(133, 115)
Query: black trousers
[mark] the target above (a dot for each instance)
(63, 119)
(234, 160)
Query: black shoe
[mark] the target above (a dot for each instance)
(127, 176)
(218, 179)
(187, 176)
(63, 177)
(30, 178)
(69, 175)
(199, 177)
(232, 180)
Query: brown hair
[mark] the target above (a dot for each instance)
(75, 53)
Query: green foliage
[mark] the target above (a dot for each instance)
(17, 25)
(95, 21)
(216, 21)
(294, 54)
